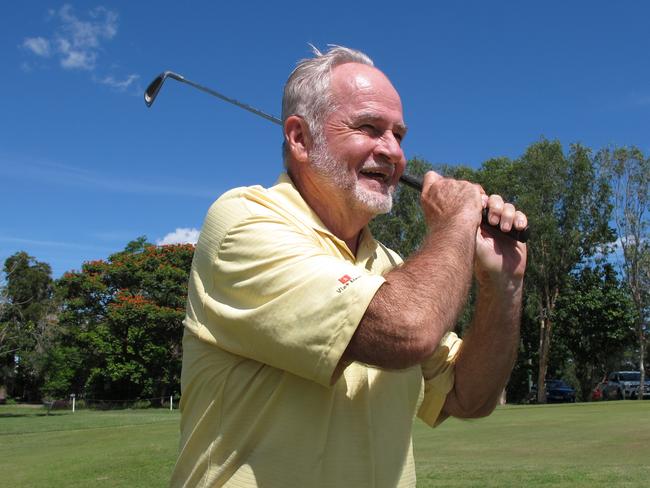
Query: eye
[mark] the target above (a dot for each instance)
(369, 129)
(398, 137)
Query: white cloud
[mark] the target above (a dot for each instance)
(181, 235)
(38, 45)
(78, 59)
(119, 85)
(77, 40)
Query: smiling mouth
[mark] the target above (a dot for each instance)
(376, 175)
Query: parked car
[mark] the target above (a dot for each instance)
(557, 391)
(625, 384)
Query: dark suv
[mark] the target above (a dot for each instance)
(557, 391)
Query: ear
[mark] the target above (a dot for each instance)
(298, 138)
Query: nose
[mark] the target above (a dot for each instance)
(389, 148)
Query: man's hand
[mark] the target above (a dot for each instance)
(455, 205)
(451, 205)
(500, 261)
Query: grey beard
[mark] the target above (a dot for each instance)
(336, 172)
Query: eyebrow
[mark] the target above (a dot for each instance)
(373, 117)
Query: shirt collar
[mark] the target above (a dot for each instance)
(292, 197)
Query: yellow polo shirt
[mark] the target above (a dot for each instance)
(274, 298)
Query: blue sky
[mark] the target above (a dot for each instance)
(85, 166)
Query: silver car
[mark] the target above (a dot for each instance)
(624, 384)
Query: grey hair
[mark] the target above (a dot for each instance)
(307, 91)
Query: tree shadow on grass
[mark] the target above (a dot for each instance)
(43, 414)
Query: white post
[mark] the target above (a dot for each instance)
(73, 402)
(171, 402)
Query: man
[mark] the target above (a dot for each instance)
(309, 347)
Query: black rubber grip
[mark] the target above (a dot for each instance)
(519, 235)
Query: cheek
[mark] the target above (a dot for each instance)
(354, 153)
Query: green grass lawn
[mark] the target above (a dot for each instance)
(573, 445)
(121, 448)
(599, 444)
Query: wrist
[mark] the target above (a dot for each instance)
(501, 288)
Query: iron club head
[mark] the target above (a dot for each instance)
(154, 87)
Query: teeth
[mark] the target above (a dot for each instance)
(377, 173)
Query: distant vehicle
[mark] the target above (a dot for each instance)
(624, 384)
(557, 391)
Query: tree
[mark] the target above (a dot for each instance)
(25, 324)
(4, 335)
(122, 324)
(629, 172)
(595, 319)
(568, 199)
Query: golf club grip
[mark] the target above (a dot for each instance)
(519, 235)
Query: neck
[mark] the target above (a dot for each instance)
(332, 210)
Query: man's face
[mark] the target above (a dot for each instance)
(359, 149)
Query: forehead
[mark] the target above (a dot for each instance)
(358, 88)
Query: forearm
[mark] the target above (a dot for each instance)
(488, 353)
(419, 303)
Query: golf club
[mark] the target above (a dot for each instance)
(154, 87)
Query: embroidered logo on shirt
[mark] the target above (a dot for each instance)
(346, 280)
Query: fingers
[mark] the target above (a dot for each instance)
(505, 215)
(449, 202)
(444, 199)
(430, 177)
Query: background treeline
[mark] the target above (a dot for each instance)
(111, 332)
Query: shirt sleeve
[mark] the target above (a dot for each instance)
(438, 373)
(273, 293)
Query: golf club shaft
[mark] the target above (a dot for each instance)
(154, 87)
(234, 102)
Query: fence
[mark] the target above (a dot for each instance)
(74, 403)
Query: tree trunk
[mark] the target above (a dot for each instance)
(544, 347)
(639, 395)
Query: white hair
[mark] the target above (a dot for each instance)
(307, 91)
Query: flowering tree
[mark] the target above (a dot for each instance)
(121, 322)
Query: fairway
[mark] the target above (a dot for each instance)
(598, 444)
(603, 444)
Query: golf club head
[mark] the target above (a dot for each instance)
(154, 87)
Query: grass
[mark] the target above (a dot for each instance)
(122, 448)
(576, 445)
